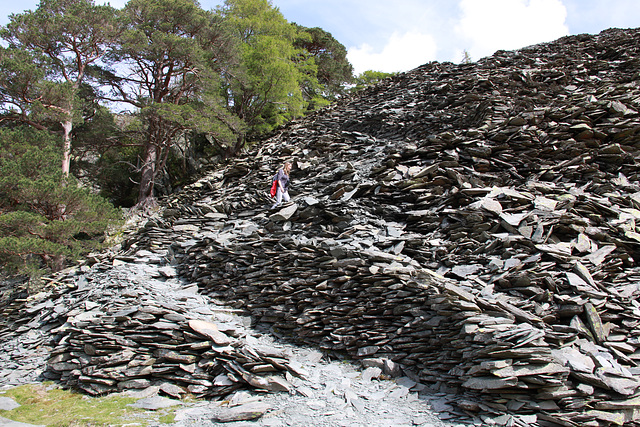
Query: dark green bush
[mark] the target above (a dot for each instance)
(46, 219)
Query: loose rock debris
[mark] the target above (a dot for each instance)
(473, 226)
(321, 392)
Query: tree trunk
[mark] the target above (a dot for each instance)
(238, 146)
(148, 175)
(67, 126)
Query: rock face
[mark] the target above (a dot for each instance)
(473, 226)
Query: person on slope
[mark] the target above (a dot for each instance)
(282, 186)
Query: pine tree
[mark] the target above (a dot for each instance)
(55, 44)
(46, 218)
(169, 60)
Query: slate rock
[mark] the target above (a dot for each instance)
(5, 422)
(248, 411)
(155, 403)
(8, 404)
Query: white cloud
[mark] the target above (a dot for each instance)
(490, 25)
(402, 52)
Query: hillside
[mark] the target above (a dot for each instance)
(476, 223)
(473, 226)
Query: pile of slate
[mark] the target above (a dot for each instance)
(475, 224)
(128, 326)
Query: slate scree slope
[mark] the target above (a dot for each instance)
(473, 224)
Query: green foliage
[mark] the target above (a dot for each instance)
(263, 89)
(65, 30)
(174, 47)
(45, 217)
(370, 78)
(21, 74)
(64, 37)
(332, 70)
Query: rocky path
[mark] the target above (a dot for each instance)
(326, 392)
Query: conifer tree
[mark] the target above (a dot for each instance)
(45, 218)
(170, 56)
(333, 72)
(50, 51)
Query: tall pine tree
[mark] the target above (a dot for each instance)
(169, 60)
(64, 38)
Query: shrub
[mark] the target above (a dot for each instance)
(46, 219)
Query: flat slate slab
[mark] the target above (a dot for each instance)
(154, 403)
(7, 404)
(5, 422)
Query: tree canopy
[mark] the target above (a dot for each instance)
(262, 88)
(64, 38)
(369, 78)
(167, 57)
(333, 72)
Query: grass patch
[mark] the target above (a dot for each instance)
(46, 404)
(168, 418)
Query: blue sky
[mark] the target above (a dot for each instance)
(400, 35)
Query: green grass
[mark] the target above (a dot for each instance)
(47, 405)
(168, 418)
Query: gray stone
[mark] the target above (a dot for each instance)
(210, 330)
(284, 213)
(5, 422)
(249, 411)
(7, 404)
(154, 403)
